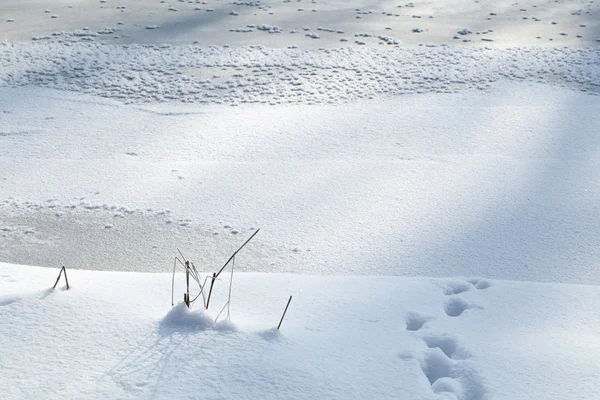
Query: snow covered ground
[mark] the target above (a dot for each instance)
(425, 177)
(500, 183)
(303, 23)
(115, 335)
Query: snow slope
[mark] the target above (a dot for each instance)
(115, 335)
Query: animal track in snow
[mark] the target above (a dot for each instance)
(445, 362)
(446, 385)
(436, 366)
(480, 284)
(451, 376)
(415, 321)
(457, 288)
(448, 345)
(456, 306)
(446, 375)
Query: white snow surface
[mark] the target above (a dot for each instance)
(501, 183)
(430, 200)
(115, 335)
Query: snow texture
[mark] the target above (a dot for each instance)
(205, 75)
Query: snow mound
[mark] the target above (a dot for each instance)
(181, 318)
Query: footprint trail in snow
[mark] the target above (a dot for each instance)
(445, 361)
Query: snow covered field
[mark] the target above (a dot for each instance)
(425, 178)
(114, 335)
(501, 183)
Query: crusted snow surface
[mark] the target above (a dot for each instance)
(193, 74)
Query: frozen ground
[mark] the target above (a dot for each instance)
(114, 335)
